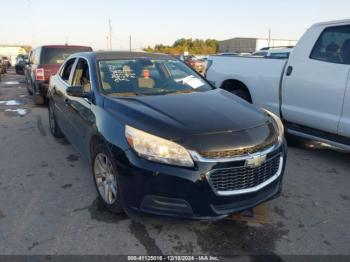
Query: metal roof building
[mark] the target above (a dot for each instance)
(250, 45)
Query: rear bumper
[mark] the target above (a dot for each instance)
(156, 189)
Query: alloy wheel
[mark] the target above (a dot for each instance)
(52, 117)
(105, 178)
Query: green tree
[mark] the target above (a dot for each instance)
(194, 47)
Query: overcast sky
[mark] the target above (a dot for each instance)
(36, 22)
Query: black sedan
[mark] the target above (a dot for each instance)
(161, 140)
(21, 62)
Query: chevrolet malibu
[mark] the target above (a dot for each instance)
(161, 140)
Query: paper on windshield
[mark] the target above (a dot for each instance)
(191, 81)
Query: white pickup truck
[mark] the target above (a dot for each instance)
(310, 91)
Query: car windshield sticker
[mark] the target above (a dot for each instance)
(121, 73)
(191, 81)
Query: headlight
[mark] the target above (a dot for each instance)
(157, 149)
(279, 124)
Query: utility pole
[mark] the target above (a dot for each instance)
(110, 33)
(130, 43)
(269, 39)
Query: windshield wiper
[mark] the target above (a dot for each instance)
(126, 94)
(179, 92)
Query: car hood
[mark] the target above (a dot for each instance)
(179, 116)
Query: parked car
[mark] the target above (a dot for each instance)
(310, 90)
(234, 54)
(141, 120)
(21, 62)
(276, 52)
(44, 61)
(3, 65)
(1, 68)
(281, 53)
(195, 63)
(6, 61)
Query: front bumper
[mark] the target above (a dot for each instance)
(158, 189)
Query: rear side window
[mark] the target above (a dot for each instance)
(34, 56)
(284, 55)
(333, 46)
(59, 55)
(67, 69)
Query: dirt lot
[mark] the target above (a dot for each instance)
(48, 204)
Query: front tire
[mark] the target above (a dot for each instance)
(54, 127)
(105, 177)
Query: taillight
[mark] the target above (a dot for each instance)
(39, 74)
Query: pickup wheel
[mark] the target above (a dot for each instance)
(37, 99)
(28, 87)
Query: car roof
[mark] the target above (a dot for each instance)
(127, 55)
(335, 23)
(66, 46)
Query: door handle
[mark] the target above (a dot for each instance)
(66, 101)
(289, 71)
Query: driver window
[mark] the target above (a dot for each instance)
(67, 68)
(81, 75)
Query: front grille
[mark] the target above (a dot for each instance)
(244, 177)
(240, 151)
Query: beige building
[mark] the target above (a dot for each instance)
(250, 45)
(12, 51)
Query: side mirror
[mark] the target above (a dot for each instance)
(77, 91)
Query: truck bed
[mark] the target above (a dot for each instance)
(261, 76)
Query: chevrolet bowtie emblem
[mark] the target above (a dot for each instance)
(256, 161)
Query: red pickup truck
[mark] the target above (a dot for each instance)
(44, 61)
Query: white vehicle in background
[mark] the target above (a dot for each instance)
(234, 54)
(310, 91)
(276, 52)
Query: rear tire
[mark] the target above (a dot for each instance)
(105, 175)
(54, 127)
(38, 99)
(28, 88)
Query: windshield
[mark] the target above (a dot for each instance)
(58, 55)
(148, 77)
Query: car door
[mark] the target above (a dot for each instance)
(59, 95)
(316, 78)
(79, 108)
